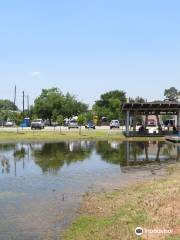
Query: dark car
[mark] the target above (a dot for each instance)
(90, 124)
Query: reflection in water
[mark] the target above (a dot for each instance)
(53, 156)
(5, 166)
(50, 157)
(137, 153)
(42, 183)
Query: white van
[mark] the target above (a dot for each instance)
(114, 124)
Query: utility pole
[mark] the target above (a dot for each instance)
(14, 97)
(23, 103)
(28, 104)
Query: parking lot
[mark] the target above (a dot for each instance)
(48, 128)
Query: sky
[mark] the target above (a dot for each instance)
(89, 47)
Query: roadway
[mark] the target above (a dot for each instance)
(49, 129)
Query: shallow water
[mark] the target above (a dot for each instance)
(42, 184)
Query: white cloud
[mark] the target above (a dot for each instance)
(35, 73)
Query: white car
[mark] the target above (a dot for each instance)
(152, 129)
(37, 124)
(114, 124)
(73, 124)
(9, 124)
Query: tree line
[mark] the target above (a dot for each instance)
(55, 106)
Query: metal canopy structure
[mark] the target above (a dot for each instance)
(151, 108)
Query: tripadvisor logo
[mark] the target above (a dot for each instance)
(139, 231)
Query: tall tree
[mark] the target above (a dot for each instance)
(81, 121)
(171, 94)
(60, 121)
(109, 104)
(52, 103)
(72, 106)
(6, 104)
(48, 102)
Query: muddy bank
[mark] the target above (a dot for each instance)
(151, 205)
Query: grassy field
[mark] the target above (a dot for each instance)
(110, 216)
(37, 135)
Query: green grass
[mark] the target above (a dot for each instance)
(38, 135)
(55, 135)
(153, 204)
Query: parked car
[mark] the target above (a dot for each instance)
(104, 121)
(9, 124)
(152, 129)
(37, 124)
(73, 124)
(2, 123)
(90, 124)
(54, 124)
(114, 124)
(151, 122)
(46, 122)
(66, 122)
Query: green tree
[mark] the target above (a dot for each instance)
(7, 110)
(49, 101)
(73, 107)
(60, 121)
(52, 103)
(18, 118)
(109, 105)
(3, 115)
(10, 115)
(89, 116)
(171, 94)
(81, 121)
(7, 105)
(137, 100)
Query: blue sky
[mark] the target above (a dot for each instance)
(88, 47)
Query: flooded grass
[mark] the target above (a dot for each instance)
(151, 205)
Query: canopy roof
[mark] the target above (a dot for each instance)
(152, 107)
